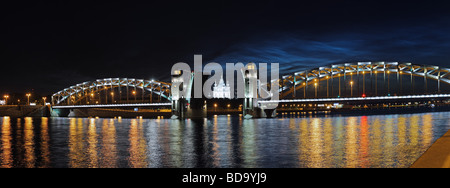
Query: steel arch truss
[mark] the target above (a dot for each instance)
(79, 91)
(302, 79)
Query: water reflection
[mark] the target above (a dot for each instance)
(29, 143)
(138, 145)
(221, 141)
(6, 157)
(364, 145)
(351, 145)
(248, 145)
(109, 145)
(45, 145)
(76, 145)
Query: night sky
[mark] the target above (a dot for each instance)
(46, 47)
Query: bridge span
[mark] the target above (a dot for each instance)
(383, 98)
(350, 84)
(114, 105)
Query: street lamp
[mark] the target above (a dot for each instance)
(134, 93)
(28, 96)
(351, 88)
(44, 98)
(112, 97)
(92, 96)
(389, 72)
(315, 85)
(6, 99)
(215, 107)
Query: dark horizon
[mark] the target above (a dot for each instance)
(47, 47)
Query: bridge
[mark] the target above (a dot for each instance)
(113, 91)
(113, 105)
(359, 84)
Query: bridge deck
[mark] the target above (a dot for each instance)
(358, 99)
(114, 105)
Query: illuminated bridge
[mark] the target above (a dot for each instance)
(361, 84)
(365, 78)
(113, 97)
(113, 91)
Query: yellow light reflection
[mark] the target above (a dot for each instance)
(328, 141)
(352, 143)
(376, 140)
(316, 144)
(364, 143)
(427, 129)
(76, 145)
(401, 130)
(29, 143)
(388, 141)
(92, 144)
(414, 130)
(109, 150)
(6, 155)
(138, 146)
(303, 141)
(45, 145)
(19, 144)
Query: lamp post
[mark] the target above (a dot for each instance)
(351, 88)
(134, 93)
(328, 93)
(315, 85)
(106, 95)
(112, 97)
(6, 99)
(28, 97)
(339, 76)
(44, 99)
(389, 92)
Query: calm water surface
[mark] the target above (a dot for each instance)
(222, 141)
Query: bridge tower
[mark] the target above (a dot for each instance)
(250, 78)
(184, 105)
(254, 94)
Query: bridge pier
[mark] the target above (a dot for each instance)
(59, 112)
(251, 107)
(184, 104)
(195, 109)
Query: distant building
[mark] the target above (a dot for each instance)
(221, 90)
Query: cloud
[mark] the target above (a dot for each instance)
(417, 44)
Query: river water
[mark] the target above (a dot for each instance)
(222, 141)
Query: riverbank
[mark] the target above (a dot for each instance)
(437, 156)
(20, 111)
